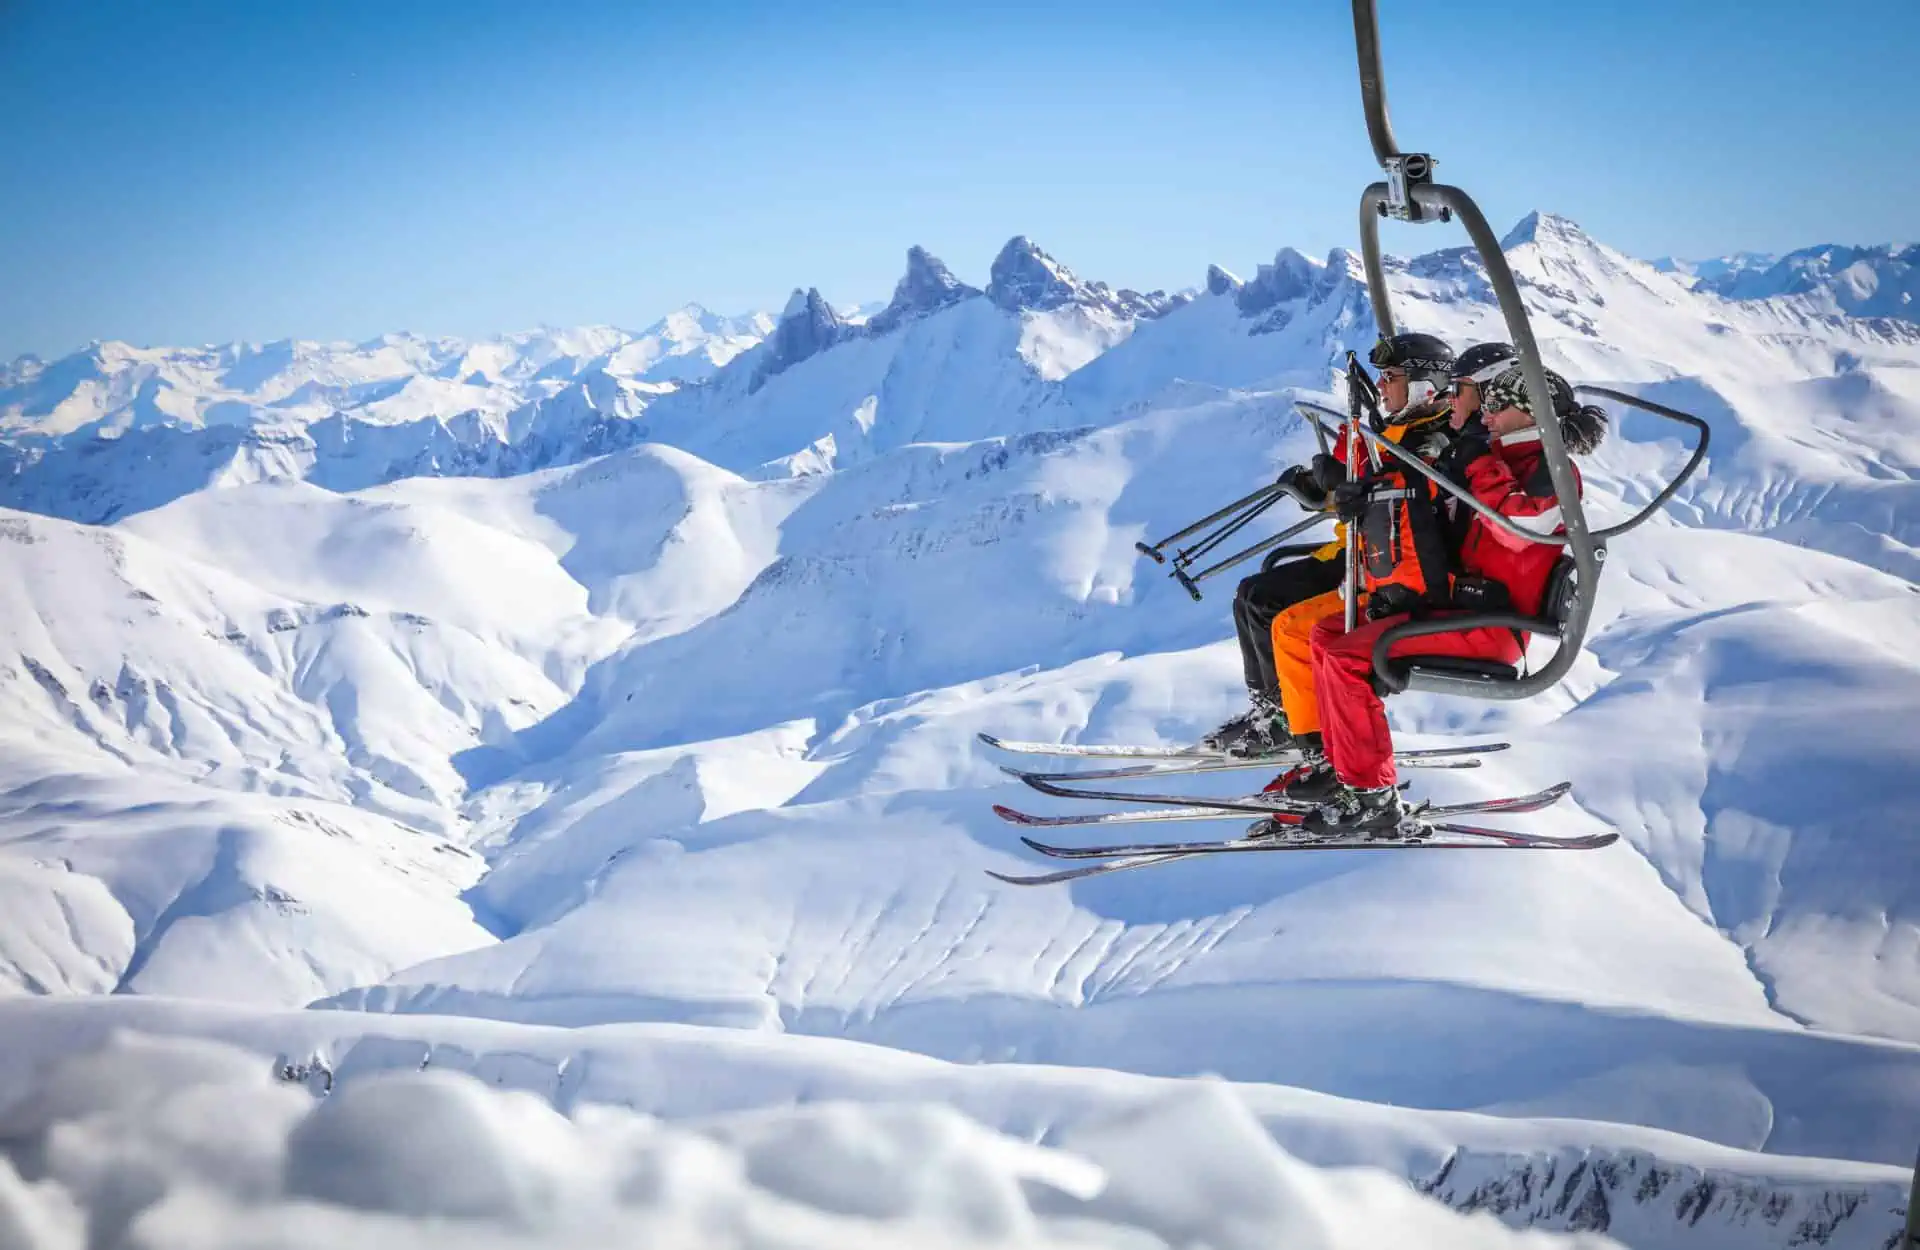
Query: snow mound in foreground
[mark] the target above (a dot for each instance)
(178, 1143)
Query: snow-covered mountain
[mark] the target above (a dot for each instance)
(114, 429)
(1716, 267)
(1859, 281)
(649, 778)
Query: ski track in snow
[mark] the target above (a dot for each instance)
(455, 737)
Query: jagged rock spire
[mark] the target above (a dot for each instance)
(1291, 276)
(1220, 281)
(927, 286)
(1024, 277)
(808, 325)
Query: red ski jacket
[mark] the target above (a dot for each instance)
(1512, 479)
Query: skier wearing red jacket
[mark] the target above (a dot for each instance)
(1355, 783)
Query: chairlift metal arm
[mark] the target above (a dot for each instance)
(1519, 330)
(1693, 462)
(1411, 195)
(1373, 87)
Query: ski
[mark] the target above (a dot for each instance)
(1200, 755)
(1256, 804)
(1518, 803)
(1098, 751)
(1131, 816)
(1142, 815)
(1435, 757)
(1450, 837)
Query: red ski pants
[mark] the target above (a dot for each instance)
(1353, 720)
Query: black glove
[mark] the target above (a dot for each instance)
(1298, 482)
(1328, 472)
(1350, 499)
(1391, 599)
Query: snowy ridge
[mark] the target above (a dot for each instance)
(1857, 281)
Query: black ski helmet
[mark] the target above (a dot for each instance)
(1483, 362)
(1422, 356)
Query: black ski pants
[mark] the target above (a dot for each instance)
(1264, 596)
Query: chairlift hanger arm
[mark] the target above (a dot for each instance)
(1410, 195)
(1373, 86)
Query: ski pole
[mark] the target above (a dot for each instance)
(1911, 1241)
(1187, 555)
(1190, 581)
(1154, 550)
(1349, 588)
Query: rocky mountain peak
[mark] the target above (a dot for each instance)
(808, 326)
(926, 287)
(1545, 229)
(1025, 278)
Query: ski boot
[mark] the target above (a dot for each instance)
(1311, 781)
(1366, 815)
(1260, 730)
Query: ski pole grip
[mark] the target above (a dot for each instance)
(1181, 576)
(1150, 553)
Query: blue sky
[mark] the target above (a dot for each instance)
(197, 172)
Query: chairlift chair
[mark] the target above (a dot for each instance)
(1408, 193)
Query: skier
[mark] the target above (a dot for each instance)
(1472, 370)
(1413, 379)
(1354, 782)
(1422, 430)
(1476, 367)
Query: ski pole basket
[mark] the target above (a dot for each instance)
(1409, 193)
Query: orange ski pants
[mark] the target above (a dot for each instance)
(1293, 658)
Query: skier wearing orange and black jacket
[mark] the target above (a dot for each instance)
(1403, 544)
(1274, 610)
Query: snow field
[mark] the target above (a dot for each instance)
(177, 1143)
(374, 1134)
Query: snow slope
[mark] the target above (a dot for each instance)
(681, 736)
(719, 1137)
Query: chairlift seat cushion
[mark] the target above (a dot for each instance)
(1455, 665)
